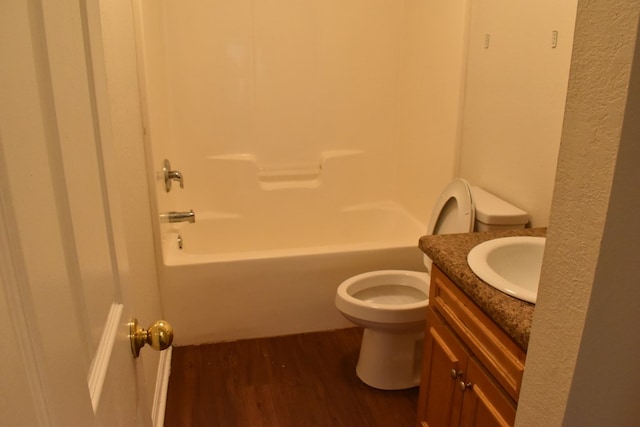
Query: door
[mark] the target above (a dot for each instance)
(65, 352)
(485, 404)
(445, 362)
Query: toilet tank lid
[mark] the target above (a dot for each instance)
(492, 210)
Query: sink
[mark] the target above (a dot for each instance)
(510, 264)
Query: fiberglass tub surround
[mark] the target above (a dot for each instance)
(273, 268)
(305, 148)
(272, 241)
(287, 92)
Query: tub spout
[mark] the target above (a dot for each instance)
(179, 216)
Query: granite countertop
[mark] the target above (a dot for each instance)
(449, 253)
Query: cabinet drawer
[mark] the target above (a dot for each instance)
(490, 344)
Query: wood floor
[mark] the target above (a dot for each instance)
(296, 380)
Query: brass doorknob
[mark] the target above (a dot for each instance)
(159, 336)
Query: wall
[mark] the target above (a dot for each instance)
(430, 100)
(514, 99)
(285, 81)
(148, 30)
(582, 360)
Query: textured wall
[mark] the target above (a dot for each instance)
(577, 260)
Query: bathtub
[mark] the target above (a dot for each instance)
(246, 276)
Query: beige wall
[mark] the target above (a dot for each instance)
(152, 71)
(514, 99)
(430, 100)
(582, 361)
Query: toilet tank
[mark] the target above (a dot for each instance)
(493, 213)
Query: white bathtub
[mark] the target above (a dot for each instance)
(241, 276)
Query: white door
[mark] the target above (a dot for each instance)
(64, 356)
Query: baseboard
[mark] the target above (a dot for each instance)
(162, 384)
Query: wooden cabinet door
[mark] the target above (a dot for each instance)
(445, 361)
(484, 403)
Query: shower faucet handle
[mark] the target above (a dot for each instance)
(171, 175)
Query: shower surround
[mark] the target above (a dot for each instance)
(313, 138)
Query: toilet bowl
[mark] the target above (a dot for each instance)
(386, 299)
(391, 305)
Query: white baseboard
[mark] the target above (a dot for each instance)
(162, 384)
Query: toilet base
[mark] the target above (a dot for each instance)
(390, 361)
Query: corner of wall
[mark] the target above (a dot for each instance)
(580, 212)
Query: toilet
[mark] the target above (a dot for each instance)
(391, 304)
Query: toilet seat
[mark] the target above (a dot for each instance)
(454, 211)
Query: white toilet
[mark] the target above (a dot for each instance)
(391, 304)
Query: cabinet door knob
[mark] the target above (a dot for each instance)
(465, 386)
(455, 374)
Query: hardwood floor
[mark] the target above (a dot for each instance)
(297, 380)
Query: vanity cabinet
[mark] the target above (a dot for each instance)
(472, 370)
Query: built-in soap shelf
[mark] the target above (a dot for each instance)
(272, 176)
(289, 172)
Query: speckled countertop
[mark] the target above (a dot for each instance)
(449, 253)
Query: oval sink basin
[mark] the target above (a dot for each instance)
(510, 264)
